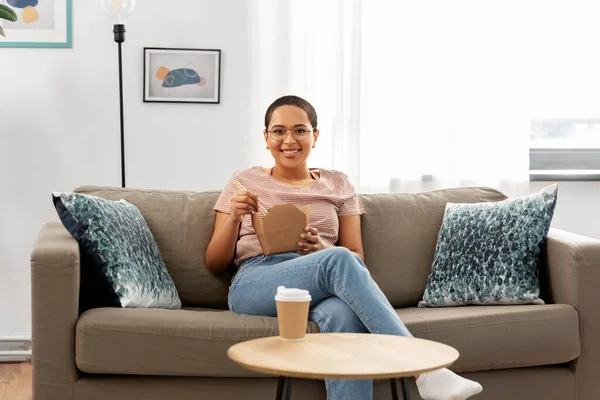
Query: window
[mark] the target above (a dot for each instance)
(565, 150)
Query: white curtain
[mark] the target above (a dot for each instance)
(309, 48)
(415, 96)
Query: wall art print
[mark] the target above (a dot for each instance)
(174, 75)
(40, 23)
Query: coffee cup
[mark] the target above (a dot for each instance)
(292, 312)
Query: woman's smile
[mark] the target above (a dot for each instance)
(291, 153)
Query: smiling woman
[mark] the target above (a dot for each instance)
(289, 122)
(328, 261)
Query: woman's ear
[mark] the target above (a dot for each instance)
(315, 137)
(266, 138)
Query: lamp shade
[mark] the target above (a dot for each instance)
(118, 10)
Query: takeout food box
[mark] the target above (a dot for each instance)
(279, 231)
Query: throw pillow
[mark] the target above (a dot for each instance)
(488, 253)
(121, 262)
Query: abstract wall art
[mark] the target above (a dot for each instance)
(174, 75)
(40, 23)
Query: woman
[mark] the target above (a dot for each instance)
(329, 261)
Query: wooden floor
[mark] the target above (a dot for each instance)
(15, 381)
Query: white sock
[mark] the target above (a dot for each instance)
(443, 384)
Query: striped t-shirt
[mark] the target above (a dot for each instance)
(331, 195)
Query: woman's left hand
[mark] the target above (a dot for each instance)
(310, 241)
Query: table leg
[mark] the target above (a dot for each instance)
(395, 389)
(284, 384)
(280, 385)
(405, 389)
(288, 389)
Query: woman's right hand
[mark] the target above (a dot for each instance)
(243, 202)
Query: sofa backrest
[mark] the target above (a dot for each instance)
(399, 235)
(400, 232)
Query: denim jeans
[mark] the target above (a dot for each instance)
(344, 299)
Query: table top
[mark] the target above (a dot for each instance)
(343, 356)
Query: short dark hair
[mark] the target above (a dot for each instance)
(292, 101)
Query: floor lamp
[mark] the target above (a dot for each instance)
(118, 11)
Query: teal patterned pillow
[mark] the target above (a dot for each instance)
(488, 253)
(121, 263)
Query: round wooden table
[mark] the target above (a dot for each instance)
(342, 356)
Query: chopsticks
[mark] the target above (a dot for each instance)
(261, 210)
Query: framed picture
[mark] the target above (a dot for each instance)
(182, 75)
(40, 23)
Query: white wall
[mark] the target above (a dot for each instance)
(577, 207)
(59, 123)
(59, 128)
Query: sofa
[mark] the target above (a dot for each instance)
(549, 351)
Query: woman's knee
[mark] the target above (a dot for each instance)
(242, 300)
(342, 261)
(339, 252)
(342, 255)
(334, 315)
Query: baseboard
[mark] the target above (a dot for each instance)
(15, 349)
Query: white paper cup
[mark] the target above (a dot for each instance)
(292, 312)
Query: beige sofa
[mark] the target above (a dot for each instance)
(526, 352)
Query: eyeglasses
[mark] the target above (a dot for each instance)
(299, 133)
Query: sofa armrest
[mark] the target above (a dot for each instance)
(572, 275)
(54, 310)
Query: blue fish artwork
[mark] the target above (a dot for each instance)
(22, 3)
(179, 77)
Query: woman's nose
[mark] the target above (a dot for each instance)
(289, 138)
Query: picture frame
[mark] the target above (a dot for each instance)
(178, 75)
(46, 23)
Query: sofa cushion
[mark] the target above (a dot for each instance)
(489, 253)
(182, 224)
(500, 337)
(195, 342)
(188, 342)
(400, 232)
(125, 267)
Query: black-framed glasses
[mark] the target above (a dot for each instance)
(299, 133)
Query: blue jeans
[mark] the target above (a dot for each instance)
(344, 299)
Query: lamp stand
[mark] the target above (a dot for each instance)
(119, 31)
